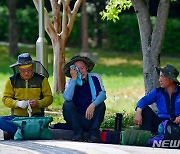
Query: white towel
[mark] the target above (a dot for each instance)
(29, 109)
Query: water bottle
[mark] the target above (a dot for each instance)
(118, 122)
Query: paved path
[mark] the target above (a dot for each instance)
(68, 147)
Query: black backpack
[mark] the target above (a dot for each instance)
(171, 130)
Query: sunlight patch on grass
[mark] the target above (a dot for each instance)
(112, 61)
(124, 99)
(118, 61)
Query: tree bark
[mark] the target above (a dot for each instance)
(158, 34)
(59, 32)
(151, 39)
(59, 61)
(100, 5)
(13, 34)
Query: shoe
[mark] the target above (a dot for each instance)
(1, 134)
(77, 138)
(94, 139)
(8, 136)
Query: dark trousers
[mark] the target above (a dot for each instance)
(150, 120)
(78, 122)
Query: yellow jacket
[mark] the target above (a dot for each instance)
(17, 89)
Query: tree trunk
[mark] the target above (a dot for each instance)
(100, 5)
(13, 34)
(99, 35)
(158, 34)
(151, 39)
(59, 31)
(84, 28)
(59, 61)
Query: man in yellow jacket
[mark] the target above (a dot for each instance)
(27, 93)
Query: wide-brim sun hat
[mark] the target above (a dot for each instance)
(90, 64)
(25, 59)
(169, 72)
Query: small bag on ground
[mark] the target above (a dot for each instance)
(32, 128)
(171, 131)
(110, 137)
(135, 137)
(167, 130)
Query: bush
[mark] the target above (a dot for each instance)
(27, 20)
(109, 121)
(171, 39)
(123, 35)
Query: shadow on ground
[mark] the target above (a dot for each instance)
(39, 148)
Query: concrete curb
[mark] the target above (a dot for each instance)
(69, 147)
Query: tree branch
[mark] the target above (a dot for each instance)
(72, 15)
(67, 2)
(48, 24)
(64, 20)
(143, 16)
(160, 25)
(56, 15)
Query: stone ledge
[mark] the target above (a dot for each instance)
(51, 112)
(61, 134)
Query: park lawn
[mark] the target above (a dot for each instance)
(121, 73)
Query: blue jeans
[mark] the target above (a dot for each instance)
(79, 123)
(7, 125)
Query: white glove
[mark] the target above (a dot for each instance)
(22, 104)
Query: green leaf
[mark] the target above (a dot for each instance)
(114, 8)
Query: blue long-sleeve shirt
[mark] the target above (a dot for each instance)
(81, 95)
(167, 107)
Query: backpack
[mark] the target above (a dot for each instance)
(167, 130)
(171, 131)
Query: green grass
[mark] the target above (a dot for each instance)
(121, 73)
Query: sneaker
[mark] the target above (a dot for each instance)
(8, 136)
(1, 134)
(94, 139)
(77, 138)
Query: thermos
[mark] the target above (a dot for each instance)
(118, 122)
